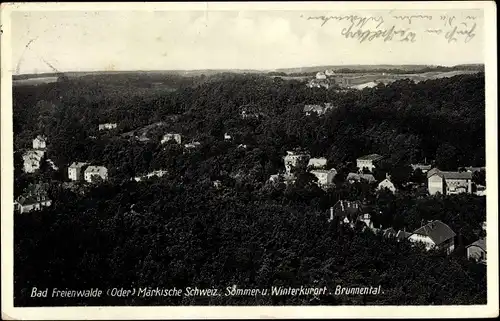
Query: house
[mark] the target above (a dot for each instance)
(227, 136)
(449, 182)
(295, 160)
(318, 109)
(357, 177)
(317, 163)
(324, 176)
(329, 73)
(477, 251)
(75, 171)
(171, 137)
(424, 168)
(320, 75)
(387, 184)
(346, 212)
(368, 162)
(107, 126)
(435, 234)
(40, 142)
(32, 160)
(34, 199)
(318, 83)
(93, 172)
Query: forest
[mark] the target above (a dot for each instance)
(181, 230)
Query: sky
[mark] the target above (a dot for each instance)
(234, 39)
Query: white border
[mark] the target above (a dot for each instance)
(106, 313)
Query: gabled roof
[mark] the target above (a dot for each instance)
(355, 176)
(481, 243)
(457, 175)
(78, 164)
(372, 157)
(449, 175)
(437, 231)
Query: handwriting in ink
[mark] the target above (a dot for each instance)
(436, 31)
(449, 20)
(387, 34)
(354, 19)
(468, 32)
(409, 18)
(470, 17)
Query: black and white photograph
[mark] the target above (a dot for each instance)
(220, 156)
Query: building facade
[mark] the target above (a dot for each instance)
(449, 182)
(477, 251)
(92, 173)
(40, 142)
(295, 160)
(368, 161)
(32, 160)
(325, 176)
(435, 235)
(386, 184)
(34, 199)
(75, 171)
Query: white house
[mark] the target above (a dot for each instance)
(317, 163)
(75, 171)
(40, 142)
(435, 234)
(477, 251)
(107, 126)
(92, 172)
(449, 182)
(32, 160)
(320, 75)
(227, 136)
(386, 184)
(171, 137)
(324, 176)
(33, 200)
(368, 161)
(295, 160)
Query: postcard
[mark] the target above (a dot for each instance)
(249, 160)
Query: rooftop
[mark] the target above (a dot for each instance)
(372, 157)
(437, 231)
(481, 243)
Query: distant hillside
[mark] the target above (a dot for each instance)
(298, 70)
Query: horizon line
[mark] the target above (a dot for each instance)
(346, 66)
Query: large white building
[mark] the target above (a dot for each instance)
(448, 182)
(325, 176)
(435, 234)
(75, 171)
(40, 142)
(386, 184)
(368, 161)
(93, 172)
(32, 160)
